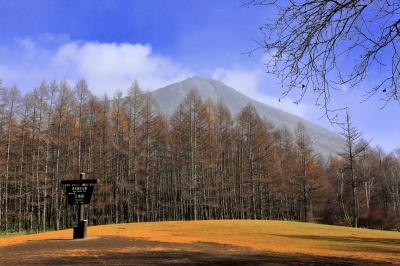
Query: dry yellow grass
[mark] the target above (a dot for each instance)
(262, 236)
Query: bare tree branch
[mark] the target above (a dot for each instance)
(317, 46)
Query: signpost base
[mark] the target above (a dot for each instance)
(80, 230)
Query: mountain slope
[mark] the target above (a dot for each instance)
(324, 141)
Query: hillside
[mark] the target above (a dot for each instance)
(326, 142)
(207, 242)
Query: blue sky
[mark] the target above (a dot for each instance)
(111, 43)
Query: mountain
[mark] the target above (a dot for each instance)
(324, 141)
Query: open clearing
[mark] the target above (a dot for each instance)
(207, 242)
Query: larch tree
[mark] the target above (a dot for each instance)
(11, 99)
(353, 150)
(306, 164)
(134, 108)
(82, 95)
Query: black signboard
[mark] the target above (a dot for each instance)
(79, 191)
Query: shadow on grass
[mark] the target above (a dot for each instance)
(200, 258)
(50, 239)
(350, 243)
(132, 251)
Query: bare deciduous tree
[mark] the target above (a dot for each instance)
(201, 163)
(317, 46)
(354, 146)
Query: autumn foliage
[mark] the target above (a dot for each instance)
(201, 163)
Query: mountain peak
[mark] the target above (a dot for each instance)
(207, 88)
(198, 78)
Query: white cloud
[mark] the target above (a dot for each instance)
(105, 66)
(114, 66)
(252, 83)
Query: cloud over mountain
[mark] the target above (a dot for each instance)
(111, 66)
(105, 66)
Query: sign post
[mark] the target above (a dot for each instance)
(79, 192)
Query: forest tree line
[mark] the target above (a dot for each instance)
(202, 162)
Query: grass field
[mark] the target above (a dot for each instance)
(212, 242)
